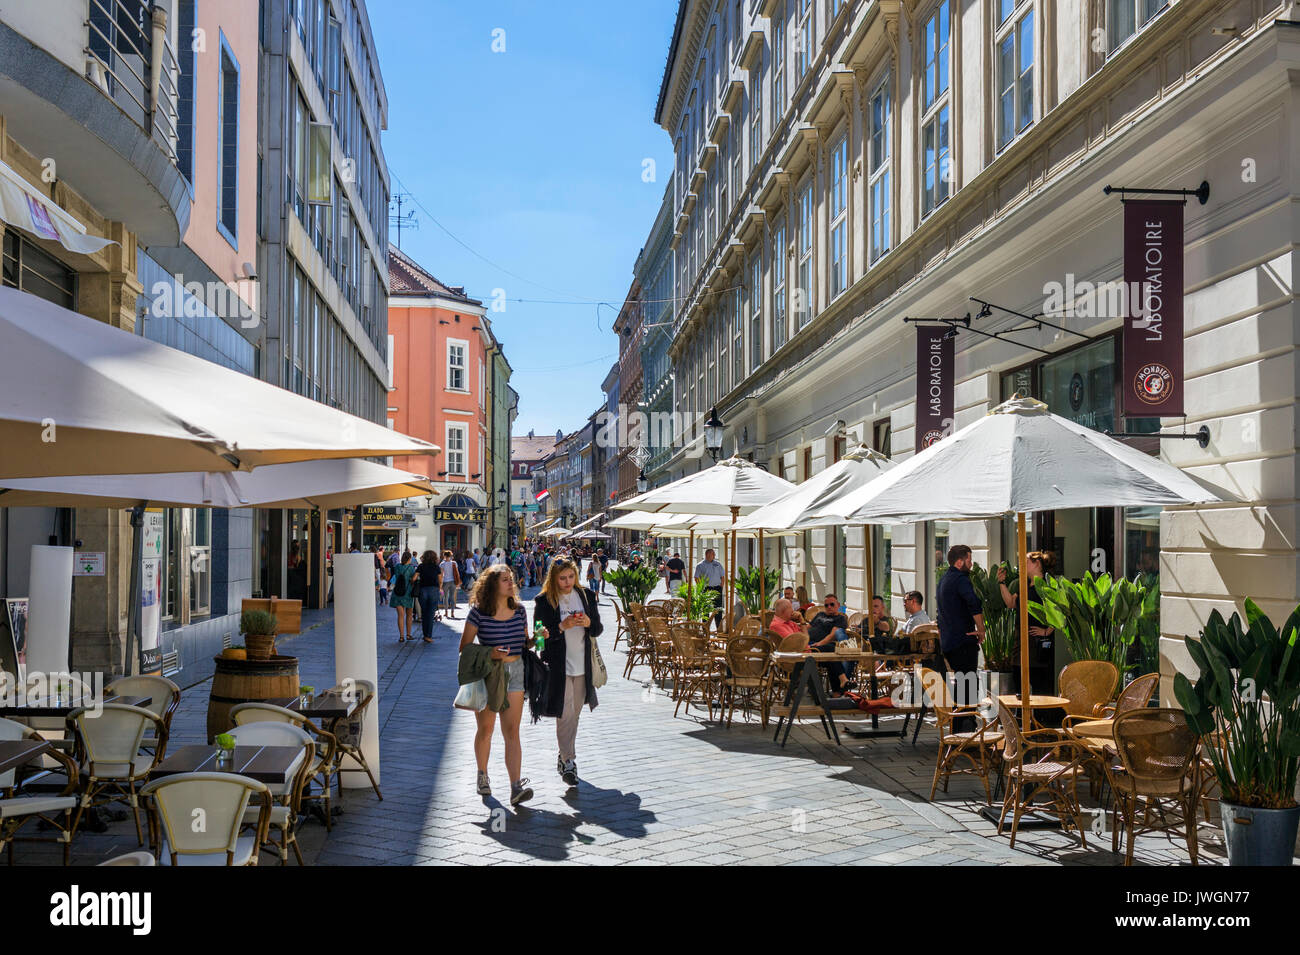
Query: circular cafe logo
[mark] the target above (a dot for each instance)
(930, 437)
(1153, 382)
(1076, 391)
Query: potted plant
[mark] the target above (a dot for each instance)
(225, 744)
(1001, 642)
(754, 584)
(235, 651)
(1246, 701)
(305, 694)
(258, 628)
(701, 603)
(633, 584)
(1098, 616)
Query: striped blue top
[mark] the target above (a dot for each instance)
(509, 634)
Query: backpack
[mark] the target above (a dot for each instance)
(399, 584)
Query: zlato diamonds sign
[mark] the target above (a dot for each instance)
(934, 378)
(1153, 323)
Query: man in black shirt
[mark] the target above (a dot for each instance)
(676, 571)
(824, 630)
(961, 629)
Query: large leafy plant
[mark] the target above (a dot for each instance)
(701, 603)
(1097, 615)
(1248, 694)
(1000, 641)
(1149, 629)
(633, 584)
(753, 584)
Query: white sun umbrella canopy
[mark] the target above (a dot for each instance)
(802, 507)
(342, 482)
(1019, 459)
(79, 395)
(635, 521)
(730, 487)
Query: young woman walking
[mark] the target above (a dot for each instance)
(498, 620)
(428, 579)
(450, 582)
(401, 588)
(572, 620)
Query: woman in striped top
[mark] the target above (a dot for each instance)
(498, 620)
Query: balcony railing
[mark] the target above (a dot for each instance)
(130, 57)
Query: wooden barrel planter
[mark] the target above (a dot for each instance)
(247, 681)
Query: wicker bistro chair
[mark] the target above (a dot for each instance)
(165, 699)
(748, 626)
(640, 648)
(780, 672)
(224, 799)
(347, 734)
(54, 729)
(287, 796)
(748, 676)
(622, 632)
(321, 770)
(969, 753)
(1089, 685)
(675, 606)
(1157, 773)
(661, 648)
(766, 617)
(112, 766)
(1041, 762)
(694, 674)
(53, 809)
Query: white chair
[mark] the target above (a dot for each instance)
(347, 731)
(139, 857)
(322, 767)
(15, 810)
(40, 686)
(221, 801)
(164, 699)
(286, 796)
(112, 764)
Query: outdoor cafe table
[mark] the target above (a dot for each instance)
(1036, 702)
(266, 764)
(804, 679)
(61, 707)
(323, 706)
(18, 752)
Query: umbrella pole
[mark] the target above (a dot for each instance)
(869, 583)
(1025, 713)
(130, 664)
(690, 570)
(762, 577)
(728, 583)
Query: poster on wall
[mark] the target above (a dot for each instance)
(1153, 320)
(151, 564)
(13, 649)
(934, 380)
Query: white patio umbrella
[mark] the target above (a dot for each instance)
(800, 509)
(1018, 459)
(587, 523)
(635, 521)
(79, 395)
(732, 487)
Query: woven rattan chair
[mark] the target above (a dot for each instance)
(970, 753)
(113, 767)
(164, 700)
(223, 799)
(1042, 762)
(624, 629)
(748, 626)
(856, 620)
(54, 809)
(322, 770)
(766, 616)
(1088, 685)
(779, 682)
(676, 606)
(748, 676)
(1156, 776)
(810, 614)
(286, 796)
(693, 671)
(661, 648)
(640, 649)
(347, 732)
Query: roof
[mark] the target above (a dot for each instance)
(406, 277)
(524, 448)
(672, 56)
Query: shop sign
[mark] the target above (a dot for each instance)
(1153, 324)
(934, 385)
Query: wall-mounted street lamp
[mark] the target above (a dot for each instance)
(713, 433)
(642, 484)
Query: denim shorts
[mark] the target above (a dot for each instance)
(514, 675)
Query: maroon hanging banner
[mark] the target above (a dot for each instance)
(1153, 317)
(934, 380)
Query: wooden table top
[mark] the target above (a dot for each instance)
(17, 752)
(50, 707)
(1036, 701)
(326, 706)
(266, 764)
(1096, 729)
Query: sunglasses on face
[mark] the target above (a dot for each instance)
(831, 605)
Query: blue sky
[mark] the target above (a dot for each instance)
(532, 158)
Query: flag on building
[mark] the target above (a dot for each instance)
(542, 495)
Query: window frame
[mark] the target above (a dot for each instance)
(837, 214)
(780, 278)
(228, 230)
(1010, 28)
(805, 247)
(939, 114)
(463, 367)
(461, 428)
(880, 170)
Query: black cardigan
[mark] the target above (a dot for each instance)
(554, 652)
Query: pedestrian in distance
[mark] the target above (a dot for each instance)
(571, 616)
(402, 596)
(429, 592)
(498, 620)
(450, 582)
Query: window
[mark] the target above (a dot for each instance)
(803, 40)
(878, 169)
(228, 150)
(778, 68)
(936, 157)
(1125, 17)
(755, 114)
(755, 310)
(456, 439)
(718, 346)
(456, 361)
(839, 205)
(738, 336)
(185, 17)
(778, 285)
(482, 384)
(26, 267)
(735, 136)
(200, 560)
(1015, 67)
(803, 293)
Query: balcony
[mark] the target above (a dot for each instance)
(92, 85)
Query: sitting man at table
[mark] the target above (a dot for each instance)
(884, 622)
(787, 594)
(824, 631)
(784, 621)
(914, 604)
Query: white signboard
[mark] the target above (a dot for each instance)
(88, 563)
(151, 563)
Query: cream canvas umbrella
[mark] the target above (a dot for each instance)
(78, 395)
(1019, 459)
(801, 509)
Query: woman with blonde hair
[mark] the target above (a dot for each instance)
(498, 620)
(571, 616)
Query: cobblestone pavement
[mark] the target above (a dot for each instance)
(655, 789)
